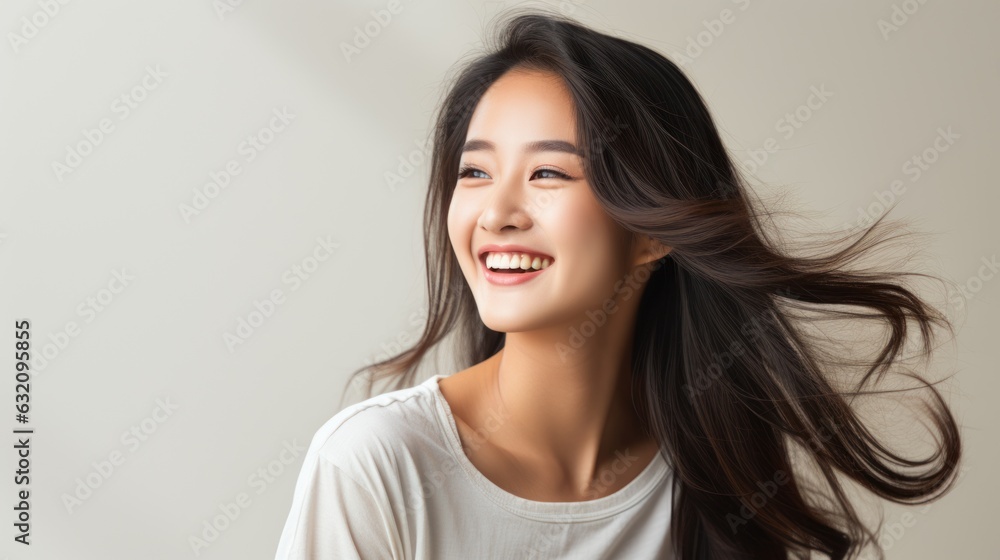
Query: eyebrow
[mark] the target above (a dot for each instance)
(530, 147)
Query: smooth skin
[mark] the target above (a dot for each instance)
(547, 419)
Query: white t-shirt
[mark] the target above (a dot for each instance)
(387, 478)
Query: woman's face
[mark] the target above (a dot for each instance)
(538, 199)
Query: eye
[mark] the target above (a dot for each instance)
(557, 174)
(465, 170)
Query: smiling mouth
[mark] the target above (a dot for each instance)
(538, 264)
(511, 270)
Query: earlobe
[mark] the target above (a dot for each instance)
(652, 251)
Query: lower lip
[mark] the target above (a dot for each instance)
(509, 278)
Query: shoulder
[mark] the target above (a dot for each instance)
(377, 435)
(358, 469)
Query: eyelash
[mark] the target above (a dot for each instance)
(464, 170)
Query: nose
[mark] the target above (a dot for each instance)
(505, 206)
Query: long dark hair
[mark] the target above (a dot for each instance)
(736, 390)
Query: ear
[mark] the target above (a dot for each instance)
(646, 250)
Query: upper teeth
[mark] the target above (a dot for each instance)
(515, 260)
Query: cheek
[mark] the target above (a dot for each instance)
(580, 227)
(590, 244)
(461, 221)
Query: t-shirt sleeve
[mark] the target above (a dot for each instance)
(334, 517)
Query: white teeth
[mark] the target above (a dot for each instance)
(501, 261)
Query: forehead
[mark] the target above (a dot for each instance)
(524, 105)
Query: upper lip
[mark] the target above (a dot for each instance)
(491, 248)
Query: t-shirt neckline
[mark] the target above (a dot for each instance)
(634, 492)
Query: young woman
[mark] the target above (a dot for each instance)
(637, 383)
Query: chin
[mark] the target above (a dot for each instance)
(513, 320)
(506, 322)
(501, 324)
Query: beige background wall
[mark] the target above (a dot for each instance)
(211, 418)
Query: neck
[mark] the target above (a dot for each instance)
(569, 410)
